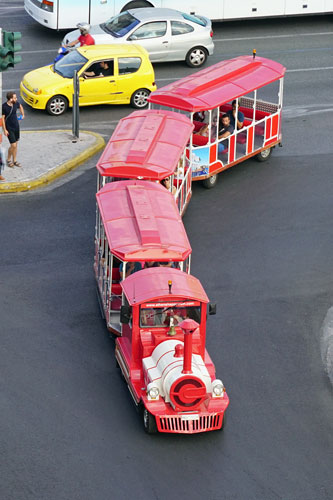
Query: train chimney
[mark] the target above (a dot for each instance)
(188, 326)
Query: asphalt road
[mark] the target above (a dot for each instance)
(262, 248)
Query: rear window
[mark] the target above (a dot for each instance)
(178, 28)
(120, 25)
(194, 19)
(128, 65)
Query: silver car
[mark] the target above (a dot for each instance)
(167, 34)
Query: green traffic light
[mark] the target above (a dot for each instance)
(8, 58)
(9, 38)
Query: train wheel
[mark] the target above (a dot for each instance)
(223, 422)
(100, 303)
(121, 375)
(210, 182)
(264, 155)
(149, 422)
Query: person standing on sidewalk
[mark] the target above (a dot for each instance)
(11, 127)
(2, 160)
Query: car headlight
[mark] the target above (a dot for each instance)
(153, 392)
(37, 91)
(218, 389)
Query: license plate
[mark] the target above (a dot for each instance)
(190, 417)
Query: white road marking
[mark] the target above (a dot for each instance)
(326, 344)
(323, 68)
(37, 51)
(110, 124)
(296, 70)
(269, 37)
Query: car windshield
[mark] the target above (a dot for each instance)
(120, 25)
(167, 314)
(69, 63)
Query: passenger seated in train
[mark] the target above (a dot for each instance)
(150, 264)
(174, 265)
(131, 268)
(232, 114)
(199, 116)
(224, 132)
(166, 183)
(180, 169)
(204, 131)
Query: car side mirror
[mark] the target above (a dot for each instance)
(133, 37)
(212, 309)
(125, 314)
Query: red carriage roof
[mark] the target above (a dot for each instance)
(152, 284)
(142, 222)
(217, 84)
(146, 144)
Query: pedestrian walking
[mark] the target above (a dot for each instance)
(11, 127)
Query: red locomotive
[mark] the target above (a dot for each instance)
(162, 356)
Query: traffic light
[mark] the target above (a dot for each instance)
(8, 58)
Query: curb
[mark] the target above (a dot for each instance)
(67, 166)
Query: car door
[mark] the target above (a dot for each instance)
(128, 78)
(154, 37)
(183, 38)
(98, 89)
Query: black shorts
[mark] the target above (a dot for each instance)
(13, 135)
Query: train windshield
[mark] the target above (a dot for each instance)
(166, 314)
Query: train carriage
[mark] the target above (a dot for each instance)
(246, 87)
(150, 145)
(137, 224)
(162, 353)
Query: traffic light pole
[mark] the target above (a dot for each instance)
(75, 109)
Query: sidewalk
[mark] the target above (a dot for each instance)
(45, 156)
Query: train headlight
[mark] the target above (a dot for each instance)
(218, 389)
(153, 392)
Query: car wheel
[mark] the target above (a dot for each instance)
(139, 98)
(210, 182)
(196, 57)
(149, 422)
(57, 105)
(137, 4)
(264, 154)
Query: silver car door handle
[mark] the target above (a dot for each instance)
(165, 42)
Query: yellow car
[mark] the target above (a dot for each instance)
(108, 74)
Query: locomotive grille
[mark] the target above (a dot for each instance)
(175, 423)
